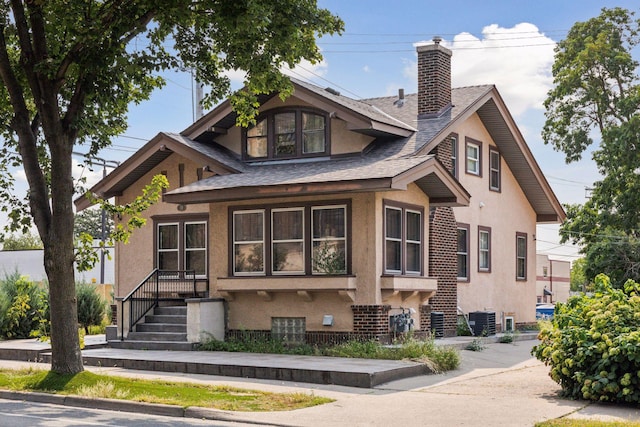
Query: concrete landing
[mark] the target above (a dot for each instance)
(364, 373)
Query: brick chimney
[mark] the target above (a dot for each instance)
(434, 79)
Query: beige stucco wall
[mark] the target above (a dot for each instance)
(249, 310)
(556, 280)
(135, 260)
(506, 212)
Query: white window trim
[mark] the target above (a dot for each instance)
(328, 239)
(206, 234)
(418, 242)
(393, 239)
(233, 231)
(487, 250)
(523, 257)
(466, 228)
(474, 160)
(177, 248)
(495, 169)
(302, 240)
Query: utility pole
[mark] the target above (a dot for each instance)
(103, 214)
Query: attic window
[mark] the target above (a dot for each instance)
(287, 134)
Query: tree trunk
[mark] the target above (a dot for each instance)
(59, 256)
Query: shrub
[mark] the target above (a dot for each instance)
(476, 345)
(438, 358)
(91, 306)
(593, 344)
(23, 306)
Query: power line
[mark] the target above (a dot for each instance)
(328, 81)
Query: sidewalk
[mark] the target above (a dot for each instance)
(500, 386)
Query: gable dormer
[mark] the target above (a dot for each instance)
(287, 133)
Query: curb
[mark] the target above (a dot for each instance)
(116, 405)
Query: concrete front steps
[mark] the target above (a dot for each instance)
(165, 329)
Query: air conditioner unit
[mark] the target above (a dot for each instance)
(483, 323)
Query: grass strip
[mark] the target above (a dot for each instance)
(89, 384)
(569, 422)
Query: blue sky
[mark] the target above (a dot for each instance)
(507, 43)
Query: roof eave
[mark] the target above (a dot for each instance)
(277, 191)
(159, 143)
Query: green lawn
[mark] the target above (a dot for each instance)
(181, 394)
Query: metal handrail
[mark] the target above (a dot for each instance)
(159, 284)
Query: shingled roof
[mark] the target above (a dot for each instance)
(399, 151)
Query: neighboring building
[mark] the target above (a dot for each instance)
(30, 263)
(331, 214)
(553, 279)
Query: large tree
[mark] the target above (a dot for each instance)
(71, 68)
(597, 98)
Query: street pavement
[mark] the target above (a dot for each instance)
(499, 386)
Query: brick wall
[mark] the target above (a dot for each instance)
(371, 319)
(443, 262)
(425, 317)
(434, 79)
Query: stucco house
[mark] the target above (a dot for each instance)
(332, 214)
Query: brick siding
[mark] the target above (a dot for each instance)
(434, 80)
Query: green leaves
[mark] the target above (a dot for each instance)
(593, 344)
(597, 97)
(129, 219)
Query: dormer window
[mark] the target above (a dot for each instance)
(287, 134)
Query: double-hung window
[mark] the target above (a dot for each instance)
(404, 235)
(473, 150)
(454, 155)
(182, 245)
(494, 170)
(292, 240)
(521, 256)
(248, 242)
(484, 249)
(463, 252)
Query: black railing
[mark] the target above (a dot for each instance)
(159, 285)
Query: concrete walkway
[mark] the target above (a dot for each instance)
(350, 372)
(500, 386)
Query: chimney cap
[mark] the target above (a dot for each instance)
(437, 39)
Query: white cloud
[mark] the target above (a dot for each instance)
(304, 70)
(93, 174)
(366, 69)
(517, 60)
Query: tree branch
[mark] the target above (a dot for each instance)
(27, 141)
(76, 104)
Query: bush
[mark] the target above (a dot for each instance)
(438, 358)
(593, 344)
(91, 306)
(23, 306)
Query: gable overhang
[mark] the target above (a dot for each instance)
(436, 182)
(513, 148)
(144, 160)
(223, 117)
